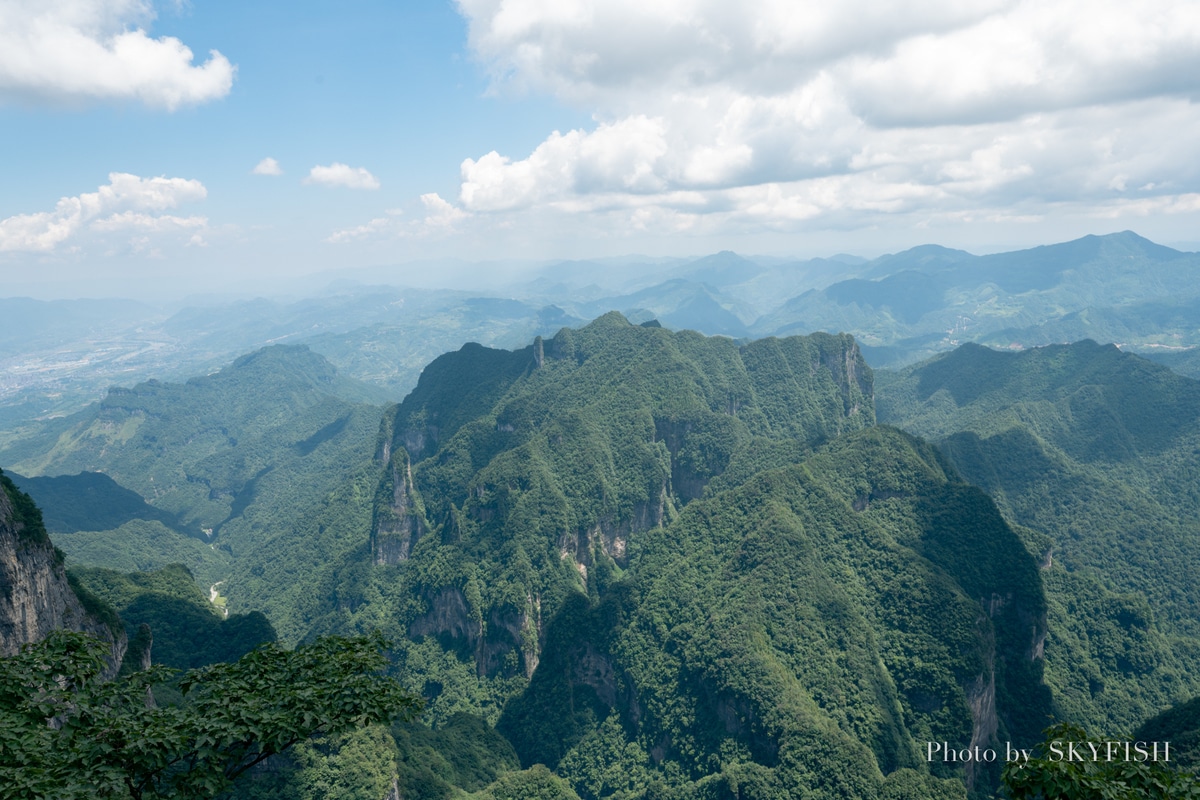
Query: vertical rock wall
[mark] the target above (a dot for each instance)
(35, 597)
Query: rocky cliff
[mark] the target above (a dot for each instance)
(35, 594)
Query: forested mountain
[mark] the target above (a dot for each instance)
(236, 458)
(1093, 454)
(662, 564)
(55, 357)
(670, 565)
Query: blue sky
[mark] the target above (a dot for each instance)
(526, 130)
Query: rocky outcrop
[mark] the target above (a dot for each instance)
(35, 595)
(460, 627)
(399, 518)
(612, 537)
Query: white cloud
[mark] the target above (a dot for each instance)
(338, 174)
(128, 202)
(439, 213)
(268, 166)
(70, 50)
(133, 220)
(784, 115)
(440, 217)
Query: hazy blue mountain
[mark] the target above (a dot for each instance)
(30, 323)
(681, 305)
(901, 307)
(382, 335)
(725, 268)
(930, 299)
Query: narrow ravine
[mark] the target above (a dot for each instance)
(213, 595)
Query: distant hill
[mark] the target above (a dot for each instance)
(187, 630)
(92, 501)
(237, 458)
(1185, 362)
(1120, 287)
(681, 304)
(1093, 453)
(901, 307)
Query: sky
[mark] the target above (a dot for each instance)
(192, 145)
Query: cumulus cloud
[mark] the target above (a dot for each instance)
(70, 50)
(781, 115)
(338, 174)
(127, 202)
(268, 166)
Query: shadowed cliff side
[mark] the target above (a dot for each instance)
(36, 595)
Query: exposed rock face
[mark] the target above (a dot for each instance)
(399, 520)
(451, 618)
(611, 538)
(35, 597)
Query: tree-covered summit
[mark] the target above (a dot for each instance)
(658, 559)
(524, 474)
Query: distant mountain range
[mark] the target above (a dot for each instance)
(55, 357)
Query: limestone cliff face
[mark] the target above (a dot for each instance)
(460, 626)
(399, 519)
(35, 597)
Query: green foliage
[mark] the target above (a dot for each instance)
(1071, 765)
(187, 630)
(1094, 454)
(606, 763)
(26, 516)
(800, 635)
(358, 764)
(145, 546)
(535, 783)
(465, 755)
(110, 741)
(1180, 726)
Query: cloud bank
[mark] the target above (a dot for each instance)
(54, 51)
(127, 203)
(785, 116)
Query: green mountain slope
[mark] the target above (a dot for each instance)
(805, 634)
(187, 630)
(91, 501)
(241, 456)
(664, 560)
(1093, 453)
(532, 457)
